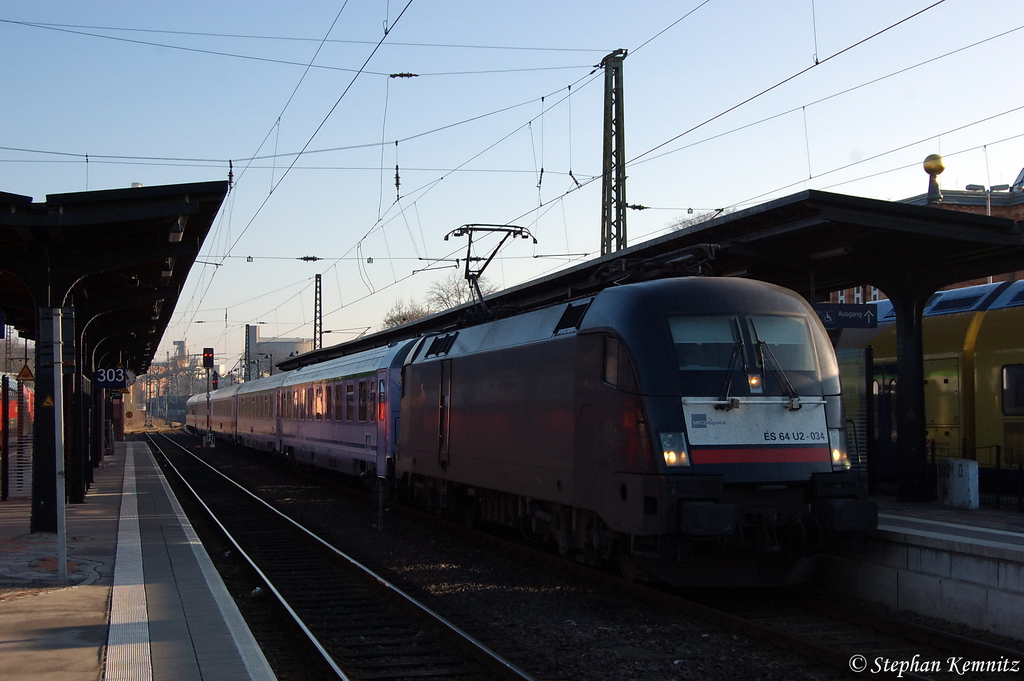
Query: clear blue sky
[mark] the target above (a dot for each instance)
(101, 95)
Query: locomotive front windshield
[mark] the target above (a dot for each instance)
(717, 355)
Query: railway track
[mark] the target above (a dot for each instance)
(807, 636)
(361, 625)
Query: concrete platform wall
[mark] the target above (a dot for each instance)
(980, 585)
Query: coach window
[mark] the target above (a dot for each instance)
(362, 401)
(318, 403)
(339, 402)
(1013, 389)
(350, 402)
(329, 401)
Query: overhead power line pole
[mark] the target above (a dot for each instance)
(318, 316)
(613, 179)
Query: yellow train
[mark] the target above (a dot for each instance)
(974, 376)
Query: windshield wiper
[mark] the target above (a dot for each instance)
(726, 402)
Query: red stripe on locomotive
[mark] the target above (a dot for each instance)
(759, 455)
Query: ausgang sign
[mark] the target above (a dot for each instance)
(847, 315)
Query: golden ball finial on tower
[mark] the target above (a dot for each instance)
(933, 166)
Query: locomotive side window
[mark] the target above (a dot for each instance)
(611, 361)
(1013, 389)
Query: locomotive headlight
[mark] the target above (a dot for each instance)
(673, 449)
(837, 446)
(755, 383)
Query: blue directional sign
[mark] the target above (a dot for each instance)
(847, 315)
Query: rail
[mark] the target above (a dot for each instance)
(503, 666)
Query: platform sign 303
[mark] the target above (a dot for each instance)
(113, 379)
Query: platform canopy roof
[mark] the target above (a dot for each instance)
(118, 257)
(812, 242)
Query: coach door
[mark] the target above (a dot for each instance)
(444, 416)
(278, 412)
(380, 411)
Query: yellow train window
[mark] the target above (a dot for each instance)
(1013, 389)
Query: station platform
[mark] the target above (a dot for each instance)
(141, 599)
(960, 565)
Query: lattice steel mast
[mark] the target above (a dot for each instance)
(613, 179)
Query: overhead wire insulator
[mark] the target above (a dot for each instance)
(398, 179)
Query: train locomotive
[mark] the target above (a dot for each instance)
(690, 429)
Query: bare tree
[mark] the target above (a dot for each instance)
(445, 294)
(403, 313)
(685, 223)
(453, 291)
